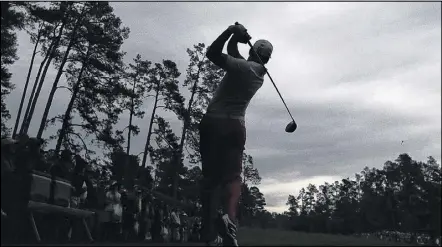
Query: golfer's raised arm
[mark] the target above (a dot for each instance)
(215, 51)
(232, 48)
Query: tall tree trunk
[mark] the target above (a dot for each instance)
(149, 133)
(57, 79)
(183, 135)
(17, 120)
(67, 114)
(129, 132)
(31, 97)
(28, 119)
(23, 127)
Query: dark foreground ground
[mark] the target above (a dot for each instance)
(272, 237)
(261, 237)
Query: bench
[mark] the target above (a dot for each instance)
(54, 209)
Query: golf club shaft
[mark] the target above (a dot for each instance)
(256, 53)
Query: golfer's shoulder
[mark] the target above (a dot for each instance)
(234, 60)
(239, 63)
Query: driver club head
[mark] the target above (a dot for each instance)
(291, 127)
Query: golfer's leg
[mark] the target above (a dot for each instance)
(232, 193)
(206, 187)
(233, 190)
(210, 185)
(210, 199)
(233, 146)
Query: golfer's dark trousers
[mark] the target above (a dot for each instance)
(222, 143)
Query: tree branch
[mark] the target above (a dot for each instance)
(81, 139)
(164, 138)
(78, 125)
(65, 87)
(56, 117)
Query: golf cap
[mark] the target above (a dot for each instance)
(263, 47)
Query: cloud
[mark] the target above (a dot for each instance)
(330, 137)
(358, 77)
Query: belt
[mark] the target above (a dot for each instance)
(224, 115)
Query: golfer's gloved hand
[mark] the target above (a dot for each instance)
(240, 33)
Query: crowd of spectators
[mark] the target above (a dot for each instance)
(120, 214)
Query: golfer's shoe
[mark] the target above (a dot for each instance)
(228, 231)
(218, 241)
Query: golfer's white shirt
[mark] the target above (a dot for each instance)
(237, 88)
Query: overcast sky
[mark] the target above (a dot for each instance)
(359, 78)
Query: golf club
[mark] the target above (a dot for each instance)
(291, 127)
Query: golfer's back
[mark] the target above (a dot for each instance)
(237, 88)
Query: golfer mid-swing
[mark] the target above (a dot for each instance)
(223, 132)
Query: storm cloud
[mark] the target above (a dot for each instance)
(359, 78)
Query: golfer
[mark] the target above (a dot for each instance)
(223, 132)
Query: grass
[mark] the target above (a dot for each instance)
(273, 237)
